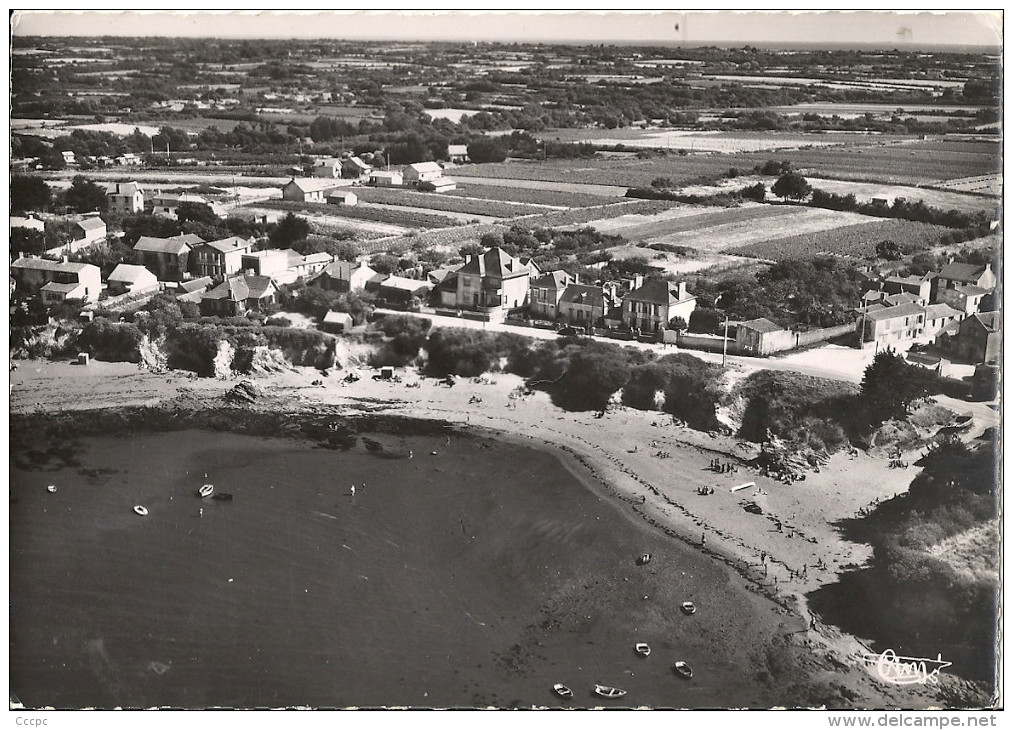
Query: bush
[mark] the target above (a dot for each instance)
(689, 387)
(460, 352)
(594, 373)
(111, 341)
(408, 335)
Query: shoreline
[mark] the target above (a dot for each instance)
(779, 566)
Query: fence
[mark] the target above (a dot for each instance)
(822, 335)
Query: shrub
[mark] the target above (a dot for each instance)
(592, 376)
(688, 384)
(111, 341)
(407, 334)
(460, 352)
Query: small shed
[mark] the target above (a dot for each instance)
(336, 322)
(342, 197)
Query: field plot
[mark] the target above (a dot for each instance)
(704, 141)
(728, 229)
(445, 203)
(857, 241)
(944, 199)
(980, 185)
(877, 158)
(401, 217)
(514, 194)
(543, 176)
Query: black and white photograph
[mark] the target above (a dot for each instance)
(403, 360)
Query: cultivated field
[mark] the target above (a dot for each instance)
(441, 202)
(858, 241)
(515, 194)
(723, 229)
(980, 185)
(876, 158)
(703, 141)
(943, 199)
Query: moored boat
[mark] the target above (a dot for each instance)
(141, 510)
(688, 608)
(563, 691)
(609, 692)
(206, 491)
(51, 489)
(644, 559)
(643, 649)
(683, 670)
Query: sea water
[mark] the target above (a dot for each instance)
(463, 571)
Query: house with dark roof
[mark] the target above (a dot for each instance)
(493, 280)
(354, 167)
(977, 339)
(583, 304)
(919, 286)
(167, 258)
(346, 276)
(652, 305)
(57, 281)
(239, 294)
(952, 275)
(219, 259)
(545, 293)
(964, 297)
(760, 337)
(401, 290)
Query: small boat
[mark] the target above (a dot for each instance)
(141, 510)
(222, 497)
(563, 691)
(644, 559)
(611, 693)
(683, 670)
(51, 489)
(688, 608)
(206, 491)
(643, 649)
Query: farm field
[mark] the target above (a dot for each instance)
(858, 241)
(394, 215)
(892, 160)
(514, 194)
(724, 229)
(943, 199)
(442, 202)
(531, 175)
(982, 184)
(382, 210)
(324, 223)
(847, 110)
(691, 262)
(195, 124)
(703, 141)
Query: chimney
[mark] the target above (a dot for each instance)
(66, 260)
(681, 291)
(638, 281)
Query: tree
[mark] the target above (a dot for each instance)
(888, 250)
(472, 249)
(890, 385)
(26, 241)
(488, 150)
(196, 212)
(84, 196)
(29, 193)
(791, 186)
(756, 192)
(292, 228)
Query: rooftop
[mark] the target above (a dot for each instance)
(761, 325)
(901, 310)
(130, 273)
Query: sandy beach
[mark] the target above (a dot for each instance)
(650, 466)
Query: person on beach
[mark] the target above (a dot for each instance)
(353, 490)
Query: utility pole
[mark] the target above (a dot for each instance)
(724, 341)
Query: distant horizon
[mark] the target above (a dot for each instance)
(784, 30)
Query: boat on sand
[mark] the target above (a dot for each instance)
(141, 510)
(683, 670)
(609, 692)
(644, 559)
(563, 691)
(688, 608)
(206, 491)
(643, 649)
(51, 489)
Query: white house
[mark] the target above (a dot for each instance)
(308, 190)
(57, 280)
(327, 167)
(31, 222)
(131, 279)
(125, 198)
(386, 178)
(89, 230)
(342, 197)
(422, 172)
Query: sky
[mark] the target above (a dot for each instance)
(882, 28)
